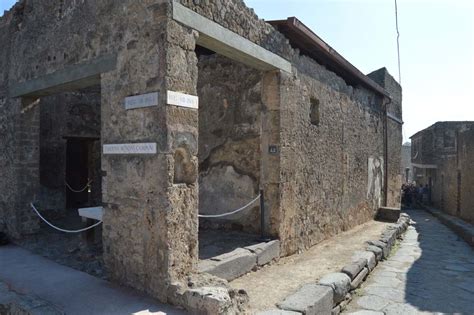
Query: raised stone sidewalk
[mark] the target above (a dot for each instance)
(459, 226)
(332, 293)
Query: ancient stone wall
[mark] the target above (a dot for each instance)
(466, 168)
(324, 172)
(229, 141)
(315, 179)
(150, 222)
(332, 168)
(394, 135)
(445, 146)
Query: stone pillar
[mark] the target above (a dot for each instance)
(271, 149)
(150, 200)
(394, 135)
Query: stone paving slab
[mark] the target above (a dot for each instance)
(432, 272)
(230, 265)
(72, 291)
(309, 299)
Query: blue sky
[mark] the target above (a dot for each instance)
(437, 47)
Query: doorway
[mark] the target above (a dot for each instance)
(78, 152)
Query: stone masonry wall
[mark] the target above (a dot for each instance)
(332, 171)
(229, 141)
(150, 220)
(466, 166)
(326, 178)
(394, 135)
(446, 145)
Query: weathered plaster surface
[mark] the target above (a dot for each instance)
(229, 139)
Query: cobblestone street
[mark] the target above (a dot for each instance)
(431, 272)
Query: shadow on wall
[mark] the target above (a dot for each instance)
(442, 279)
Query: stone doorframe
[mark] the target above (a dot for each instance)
(28, 94)
(217, 38)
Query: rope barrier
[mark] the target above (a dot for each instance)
(78, 191)
(229, 213)
(63, 230)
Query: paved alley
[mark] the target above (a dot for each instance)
(432, 272)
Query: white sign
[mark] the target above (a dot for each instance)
(181, 99)
(130, 148)
(140, 101)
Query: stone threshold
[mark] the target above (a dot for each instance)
(462, 228)
(240, 261)
(333, 291)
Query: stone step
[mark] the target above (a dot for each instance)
(240, 261)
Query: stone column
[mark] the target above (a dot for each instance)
(150, 200)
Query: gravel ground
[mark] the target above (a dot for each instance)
(64, 248)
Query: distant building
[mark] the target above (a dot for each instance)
(442, 156)
(406, 166)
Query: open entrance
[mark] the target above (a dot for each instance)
(230, 106)
(80, 168)
(69, 179)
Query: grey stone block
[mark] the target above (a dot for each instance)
(388, 214)
(366, 312)
(359, 278)
(376, 250)
(367, 255)
(339, 282)
(389, 236)
(310, 299)
(266, 252)
(230, 265)
(278, 312)
(207, 300)
(354, 268)
(385, 247)
(336, 310)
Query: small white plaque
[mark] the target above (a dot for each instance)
(181, 99)
(140, 101)
(130, 148)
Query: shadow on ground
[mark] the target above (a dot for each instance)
(441, 280)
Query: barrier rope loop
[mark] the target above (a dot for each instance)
(80, 190)
(229, 213)
(60, 229)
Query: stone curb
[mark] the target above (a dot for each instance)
(313, 298)
(459, 226)
(240, 261)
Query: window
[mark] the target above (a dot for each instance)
(314, 111)
(449, 139)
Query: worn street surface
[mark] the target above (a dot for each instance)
(273, 283)
(432, 272)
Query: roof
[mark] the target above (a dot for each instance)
(310, 44)
(436, 124)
